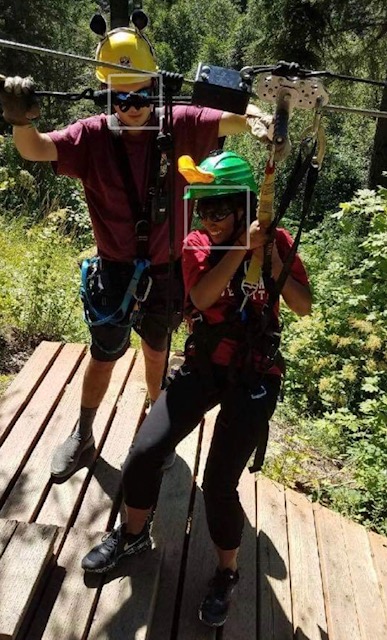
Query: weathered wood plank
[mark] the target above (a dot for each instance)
(242, 620)
(369, 605)
(201, 559)
(35, 479)
(305, 576)
(22, 564)
(379, 552)
(274, 596)
(26, 431)
(63, 498)
(7, 528)
(339, 594)
(23, 386)
(104, 485)
(65, 606)
(169, 528)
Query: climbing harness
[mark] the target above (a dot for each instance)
(127, 313)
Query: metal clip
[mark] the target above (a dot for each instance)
(143, 297)
(248, 289)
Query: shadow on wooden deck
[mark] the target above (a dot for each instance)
(306, 572)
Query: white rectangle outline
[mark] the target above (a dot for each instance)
(138, 76)
(232, 188)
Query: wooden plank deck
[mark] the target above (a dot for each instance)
(306, 572)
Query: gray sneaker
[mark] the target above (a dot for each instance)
(66, 455)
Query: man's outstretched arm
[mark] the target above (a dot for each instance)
(231, 123)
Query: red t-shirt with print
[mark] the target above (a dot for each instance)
(196, 252)
(85, 151)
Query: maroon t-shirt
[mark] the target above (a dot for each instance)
(85, 151)
(196, 251)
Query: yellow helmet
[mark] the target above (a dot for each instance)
(126, 46)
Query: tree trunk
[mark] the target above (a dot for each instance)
(119, 13)
(379, 152)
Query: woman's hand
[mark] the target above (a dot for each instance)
(254, 238)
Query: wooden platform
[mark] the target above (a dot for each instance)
(306, 572)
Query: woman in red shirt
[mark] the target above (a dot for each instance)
(229, 361)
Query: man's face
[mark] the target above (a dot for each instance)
(133, 117)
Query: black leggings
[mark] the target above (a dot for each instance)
(241, 427)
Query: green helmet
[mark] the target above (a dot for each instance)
(219, 174)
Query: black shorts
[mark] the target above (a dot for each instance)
(108, 341)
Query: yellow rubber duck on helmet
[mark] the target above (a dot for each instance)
(126, 46)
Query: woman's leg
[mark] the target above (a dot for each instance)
(238, 428)
(174, 415)
(242, 420)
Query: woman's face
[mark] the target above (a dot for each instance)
(219, 230)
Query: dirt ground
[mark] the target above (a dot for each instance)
(15, 349)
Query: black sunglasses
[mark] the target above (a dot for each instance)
(137, 99)
(214, 211)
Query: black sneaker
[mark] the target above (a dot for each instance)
(115, 545)
(214, 608)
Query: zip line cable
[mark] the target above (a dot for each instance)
(71, 56)
(291, 69)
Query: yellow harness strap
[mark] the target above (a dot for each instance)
(265, 214)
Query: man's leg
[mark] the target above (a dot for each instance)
(154, 369)
(95, 383)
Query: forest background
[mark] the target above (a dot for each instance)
(330, 434)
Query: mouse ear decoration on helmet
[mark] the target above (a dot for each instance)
(98, 25)
(139, 19)
(126, 46)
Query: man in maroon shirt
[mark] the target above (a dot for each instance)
(85, 150)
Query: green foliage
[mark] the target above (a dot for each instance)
(55, 25)
(32, 191)
(187, 33)
(39, 282)
(337, 365)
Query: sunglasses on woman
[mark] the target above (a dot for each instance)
(216, 211)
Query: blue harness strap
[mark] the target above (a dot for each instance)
(119, 314)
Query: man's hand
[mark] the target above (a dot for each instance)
(262, 127)
(19, 104)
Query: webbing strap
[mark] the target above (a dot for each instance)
(141, 212)
(299, 171)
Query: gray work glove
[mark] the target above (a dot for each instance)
(19, 104)
(262, 127)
